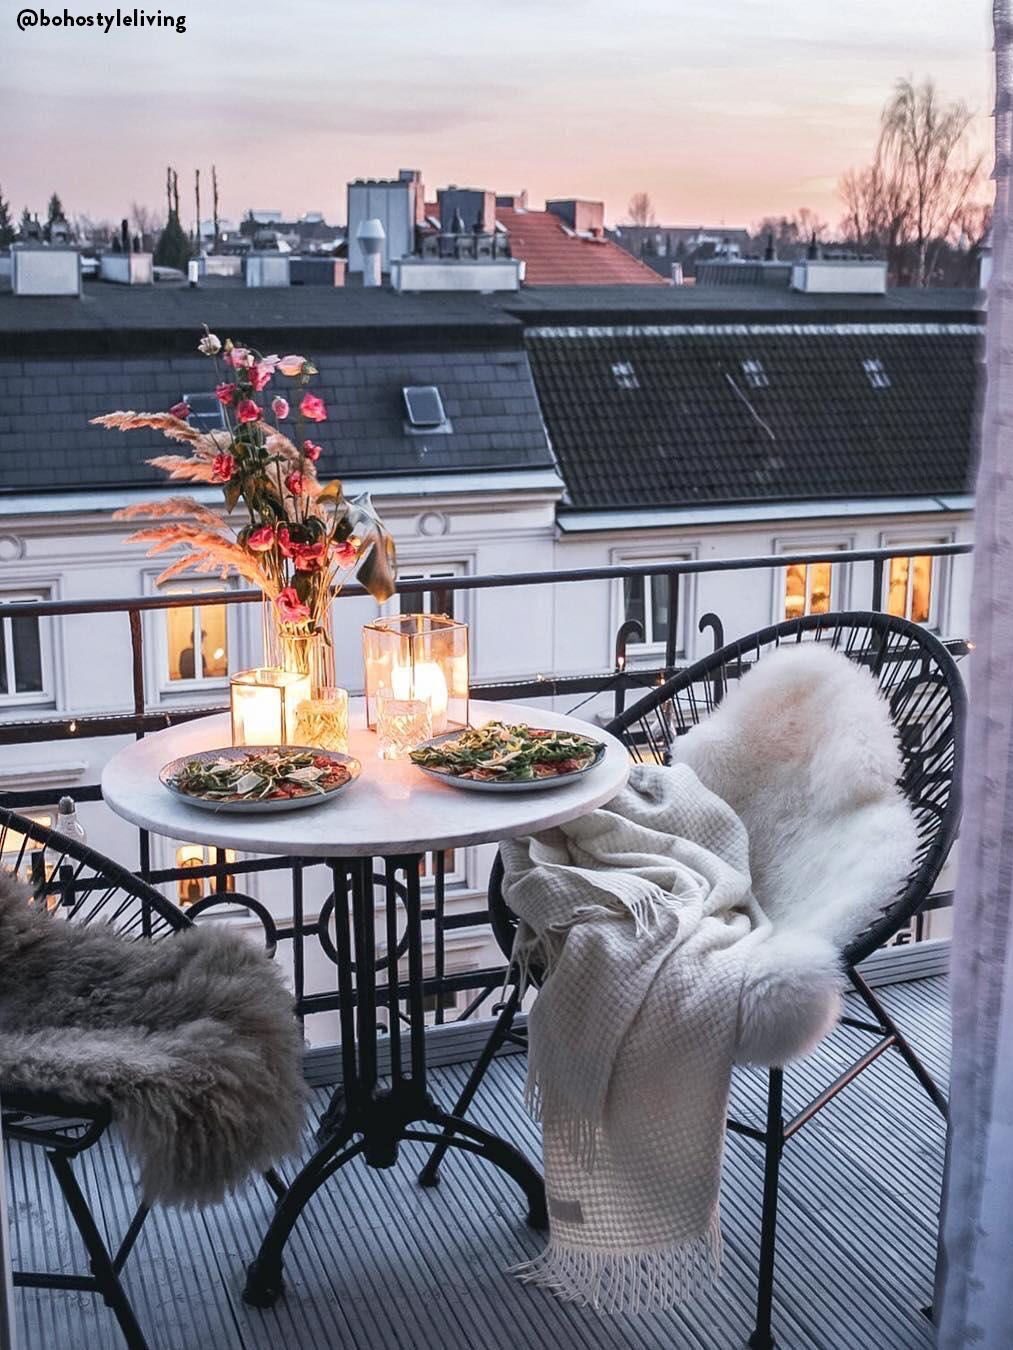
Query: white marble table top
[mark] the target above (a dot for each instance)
(392, 808)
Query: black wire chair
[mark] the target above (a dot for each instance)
(79, 885)
(927, 703)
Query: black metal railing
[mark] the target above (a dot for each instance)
(225, 875)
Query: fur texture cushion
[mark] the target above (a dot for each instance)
(191, 1041)
(804, 751)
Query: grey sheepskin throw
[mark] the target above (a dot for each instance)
(694, 922)
(190, 1040)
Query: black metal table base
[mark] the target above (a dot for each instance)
(366, 1118)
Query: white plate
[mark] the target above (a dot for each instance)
(261, 808)
(490, 785)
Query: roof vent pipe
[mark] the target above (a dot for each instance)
(371, 236)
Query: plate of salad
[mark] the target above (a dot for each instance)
(500, 757)
(259, 779)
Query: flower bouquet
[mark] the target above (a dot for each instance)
(302, 539)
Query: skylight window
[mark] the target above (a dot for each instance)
(756, 376)
(425, 410)
(206, 412)
(875, 373)
(624, 375)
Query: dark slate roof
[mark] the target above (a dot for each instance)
(683, 436)
(666, 416)
(488, 396)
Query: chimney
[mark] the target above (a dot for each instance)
(583, 217)
(370, 237)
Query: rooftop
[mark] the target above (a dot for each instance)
(554, 255)
(377, 1262)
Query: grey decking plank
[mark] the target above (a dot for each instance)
(378, 1264)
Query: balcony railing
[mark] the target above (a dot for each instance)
(621, 682)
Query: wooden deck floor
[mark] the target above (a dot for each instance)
(379, 1264)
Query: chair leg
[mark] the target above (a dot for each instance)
(100, 1261)
(430, 1174)
(901, 1043)
(762, 1337)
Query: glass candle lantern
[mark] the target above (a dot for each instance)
(322, 721)
(418, 656)
(264, 705)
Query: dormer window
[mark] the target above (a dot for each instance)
(756, 376)
(875, 373)
(624, 375)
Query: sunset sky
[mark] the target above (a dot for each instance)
(724, 110)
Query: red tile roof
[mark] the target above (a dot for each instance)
(554, 258)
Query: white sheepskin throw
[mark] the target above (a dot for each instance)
(191, 1041)
(693, 922)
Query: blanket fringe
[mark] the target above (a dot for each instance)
(580, 1136)
(628, 1282)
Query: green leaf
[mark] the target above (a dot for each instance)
(233, 491)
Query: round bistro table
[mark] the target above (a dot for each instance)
(389, 819)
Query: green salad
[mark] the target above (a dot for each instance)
(508, 754)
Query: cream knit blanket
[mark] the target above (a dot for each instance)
(669, 957)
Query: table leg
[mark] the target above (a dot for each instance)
(382, 1116)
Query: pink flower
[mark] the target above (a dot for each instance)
(248, 411)
(280, 408)
(313, 408)
(225, 393)
(284, 541)
(223, 466)
(312, 451)
(309, 557)
(291, 365)
(290, 607)
(261, 373)
(261, 539)
(296, 483)
(239, 358)
(180, 410)
(345, 554)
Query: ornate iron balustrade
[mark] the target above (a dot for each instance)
(620, 682)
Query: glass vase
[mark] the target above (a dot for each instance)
(297, 648)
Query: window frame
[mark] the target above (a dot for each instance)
(47, 696)
(912, 545)
(840, 573)
(650, 649)
(160, 688)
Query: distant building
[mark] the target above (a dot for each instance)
(660, 246)
(565, 244)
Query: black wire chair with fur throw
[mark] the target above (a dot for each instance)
(77, 885)
(921, 683)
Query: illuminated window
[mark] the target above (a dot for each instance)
(24, 655)
(13, 840)
(427, 864)
(807, 589)
(191, 889)
(910, 589)
(206, 413)
(197, 643)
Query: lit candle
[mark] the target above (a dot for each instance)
(264, 705)
(423, 680)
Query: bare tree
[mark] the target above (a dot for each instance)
(641, 209)
(928, 141)
(147, 223)
(196, 195)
